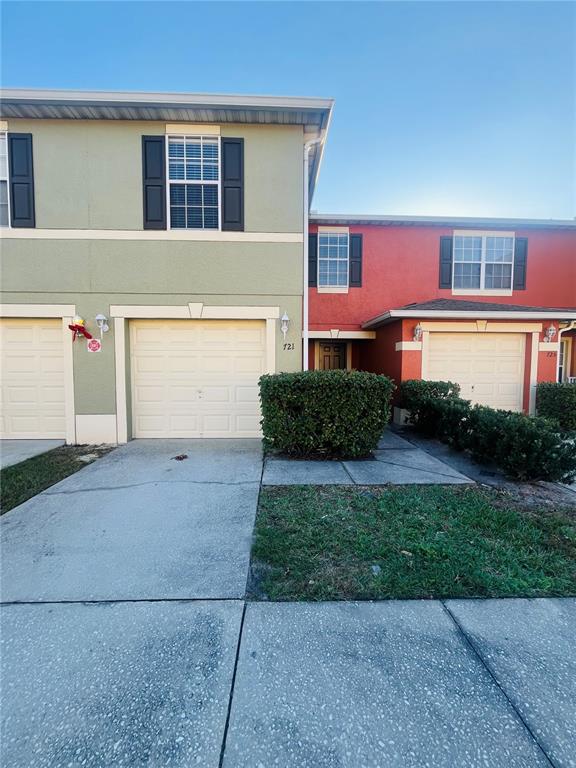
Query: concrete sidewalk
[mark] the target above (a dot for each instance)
(396, 462)
(14, 451)
(384, 685)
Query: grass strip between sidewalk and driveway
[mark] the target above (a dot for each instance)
(344, 542)
(21, 481)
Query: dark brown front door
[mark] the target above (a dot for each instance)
(332, 356)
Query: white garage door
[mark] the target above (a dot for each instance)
(488, 366)
(32, 374)
(196, 378)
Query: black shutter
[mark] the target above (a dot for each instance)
(312, 260)
(21, 175)
(446, 262)
(520, 263)
(233, 185)
(355, 279)
(154, 181)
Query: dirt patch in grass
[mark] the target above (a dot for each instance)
(20, 482)
(351, 542)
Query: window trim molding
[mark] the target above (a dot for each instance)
(327, 231)
(4, 131)
(482, 291)
(211, 183)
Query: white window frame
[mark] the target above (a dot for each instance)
(217, 183)
(327, 232)
(7, 180)
(482, 289)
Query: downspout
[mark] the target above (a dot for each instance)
(570, 327)
(305, 336)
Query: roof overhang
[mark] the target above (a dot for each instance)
(313, 114)
(340, 219)
(438, 314)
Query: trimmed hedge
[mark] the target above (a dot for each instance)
(525, 447)
(340, 414)
(558, 402)
(413, 391)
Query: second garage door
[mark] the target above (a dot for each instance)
(488, 366)
(196, 378)
(32, 379)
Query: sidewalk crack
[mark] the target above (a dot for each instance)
(470, 643)
(147, 482)
(232, 687)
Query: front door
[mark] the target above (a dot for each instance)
(332, 356)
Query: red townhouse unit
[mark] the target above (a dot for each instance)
(487, 303)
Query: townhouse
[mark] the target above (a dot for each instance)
(174, 230)
(171, 228)
(488, 303)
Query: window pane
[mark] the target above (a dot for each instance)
(498, 276)
(499, 249)
(194, 218)
(194, 194)
(466, 275)
(332, 259)
(177, 194)
(177, 217)
(211, 218)
(176, 170)
(175, 149)
(193, 150)
(193, 172)
(210, 195)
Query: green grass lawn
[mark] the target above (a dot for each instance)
(342, 542)
(24, 480)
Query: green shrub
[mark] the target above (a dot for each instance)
(558, 402)
(413, 391)
(526, 447)
(341, 414)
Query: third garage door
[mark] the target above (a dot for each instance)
(488, 366)
(196, 378)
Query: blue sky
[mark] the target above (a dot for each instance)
(459, 108)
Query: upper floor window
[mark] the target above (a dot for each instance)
(333, 266)
(4, 214)
(194, 182)
(483, 262)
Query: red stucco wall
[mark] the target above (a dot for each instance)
(400, 266)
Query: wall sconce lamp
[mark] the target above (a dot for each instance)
(418, 332)
(102, 323)
(284, 324)
(549, 333)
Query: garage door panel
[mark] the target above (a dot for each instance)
(489, 367)
(203, 381)
(32, 378)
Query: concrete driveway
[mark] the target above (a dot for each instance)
(15, 451)
(139, 525)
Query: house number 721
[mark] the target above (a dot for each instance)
(289, 345)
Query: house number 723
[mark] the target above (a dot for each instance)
(289, 345)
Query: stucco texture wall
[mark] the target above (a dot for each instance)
(88, 173)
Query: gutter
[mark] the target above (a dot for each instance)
(305, 290)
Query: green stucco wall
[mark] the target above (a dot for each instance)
(88, 173)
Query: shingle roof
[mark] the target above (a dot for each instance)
(461, 308)
(475, 222)
(462, 305)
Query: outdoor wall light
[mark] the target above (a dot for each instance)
(284, 324)
(549, 333)
(102, 323)
(418, 332)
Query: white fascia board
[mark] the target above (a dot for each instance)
(457, 314)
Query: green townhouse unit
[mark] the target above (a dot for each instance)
(172, 229)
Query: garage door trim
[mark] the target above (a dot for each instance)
(192, 311)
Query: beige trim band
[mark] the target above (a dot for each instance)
(194, 311)
(37, 310)
(336, 333)
(201, 236)
(482, 326)
(407, 346)
(549, 346)
(193, 129)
